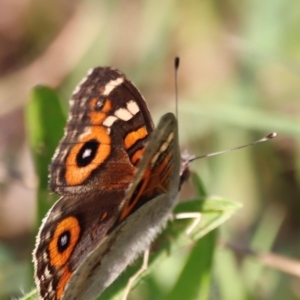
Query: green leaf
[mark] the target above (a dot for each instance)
(44, 121)
(194, 281)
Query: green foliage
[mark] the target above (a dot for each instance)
(45, 122)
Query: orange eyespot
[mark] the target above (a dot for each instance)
(87, 155)
(63, 241)
(98, 116)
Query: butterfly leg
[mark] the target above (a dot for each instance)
(191, 215)
(137, 274)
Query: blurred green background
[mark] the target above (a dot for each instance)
(239, 79)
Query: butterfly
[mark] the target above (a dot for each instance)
(118, 178)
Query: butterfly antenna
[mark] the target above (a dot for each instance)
(264, 139)
(176, 67)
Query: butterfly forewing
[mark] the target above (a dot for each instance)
(108, 126)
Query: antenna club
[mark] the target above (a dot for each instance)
(272, 135)
(176, 62)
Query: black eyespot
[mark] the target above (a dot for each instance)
(87, 153)
(63, 241)
(99, 104)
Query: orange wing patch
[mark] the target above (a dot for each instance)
(141, 189)
(165, 169)
(137, 155)
(64, 279)
(133, 136)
